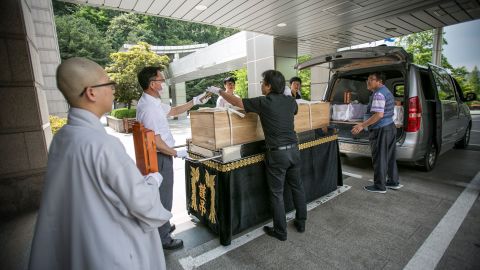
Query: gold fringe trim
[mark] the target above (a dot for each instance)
(257, 158)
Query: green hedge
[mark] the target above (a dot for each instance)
(123, 113)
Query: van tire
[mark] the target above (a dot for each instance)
(463, 143)
(427, 163)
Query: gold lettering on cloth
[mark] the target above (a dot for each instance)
(195, 176)
(210, 181)
(202, 192)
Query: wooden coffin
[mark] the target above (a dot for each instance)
(312, 115)
(215, 129)
(145, 149)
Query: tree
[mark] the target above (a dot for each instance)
(128, 28)
(101, 18)
(305, 76)
(241, 82)
(61, 8)
(420, 46)
(125, 67)
(460, 74)
(474, 81)
(79, 37)
(174, 32)
(198, 86)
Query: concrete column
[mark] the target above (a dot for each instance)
(179, 97)
(266, 52)
(24, 126)
(47, 45)
(319, 80)
(165, 97)
(286, 57)
(437, 46)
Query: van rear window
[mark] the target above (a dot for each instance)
(358, 89)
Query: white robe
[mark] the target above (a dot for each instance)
(97, 210)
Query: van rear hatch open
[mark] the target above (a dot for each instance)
(360, 58)
(351, 69)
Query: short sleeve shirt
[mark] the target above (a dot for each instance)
(152, 113)
(276, 113)
(222, 103)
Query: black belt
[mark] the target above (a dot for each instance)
(283, 147)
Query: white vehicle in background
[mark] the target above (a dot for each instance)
(433, 115)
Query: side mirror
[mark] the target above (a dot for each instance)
(470, 96)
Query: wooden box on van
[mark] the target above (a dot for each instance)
(312, 115)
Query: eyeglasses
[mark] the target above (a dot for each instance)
(112, 84)
(161, 80)
(371, 80)
(261, 81)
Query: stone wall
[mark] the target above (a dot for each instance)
(24, 127)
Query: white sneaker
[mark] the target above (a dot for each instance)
(395, 187)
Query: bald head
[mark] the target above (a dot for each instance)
(74, 74)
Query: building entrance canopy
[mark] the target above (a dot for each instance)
(320, 27)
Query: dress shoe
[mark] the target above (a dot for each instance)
(299, 225)
(174, 244)
(271, 232)
(172, 228)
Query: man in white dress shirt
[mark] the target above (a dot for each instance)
(153, 114)
(97, 210)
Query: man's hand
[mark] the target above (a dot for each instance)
(201, 99)
(357, 129)
(182, 153)
(214, 90)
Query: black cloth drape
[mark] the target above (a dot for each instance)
(239, 189)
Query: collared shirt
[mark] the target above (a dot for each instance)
(152, 113)
(276, 113)
(381, 101)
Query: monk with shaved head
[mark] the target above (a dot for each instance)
(97, 210)
(86, 85)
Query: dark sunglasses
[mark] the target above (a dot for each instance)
(113, 84)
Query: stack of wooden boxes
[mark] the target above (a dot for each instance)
(312, 115)
(216, 128)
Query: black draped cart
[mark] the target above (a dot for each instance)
(230, 197)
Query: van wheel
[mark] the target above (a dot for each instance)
(427, 163)
(463, 143)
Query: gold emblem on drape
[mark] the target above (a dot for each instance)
(195, 176)
(210, 181)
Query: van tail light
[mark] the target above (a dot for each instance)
(414, 115)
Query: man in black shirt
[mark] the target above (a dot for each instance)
(282, 158)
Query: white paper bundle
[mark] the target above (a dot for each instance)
(339, 112)
(398, 115)
(348, 112)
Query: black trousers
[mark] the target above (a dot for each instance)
(165, 168)
(283, 166)
(382, 143)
